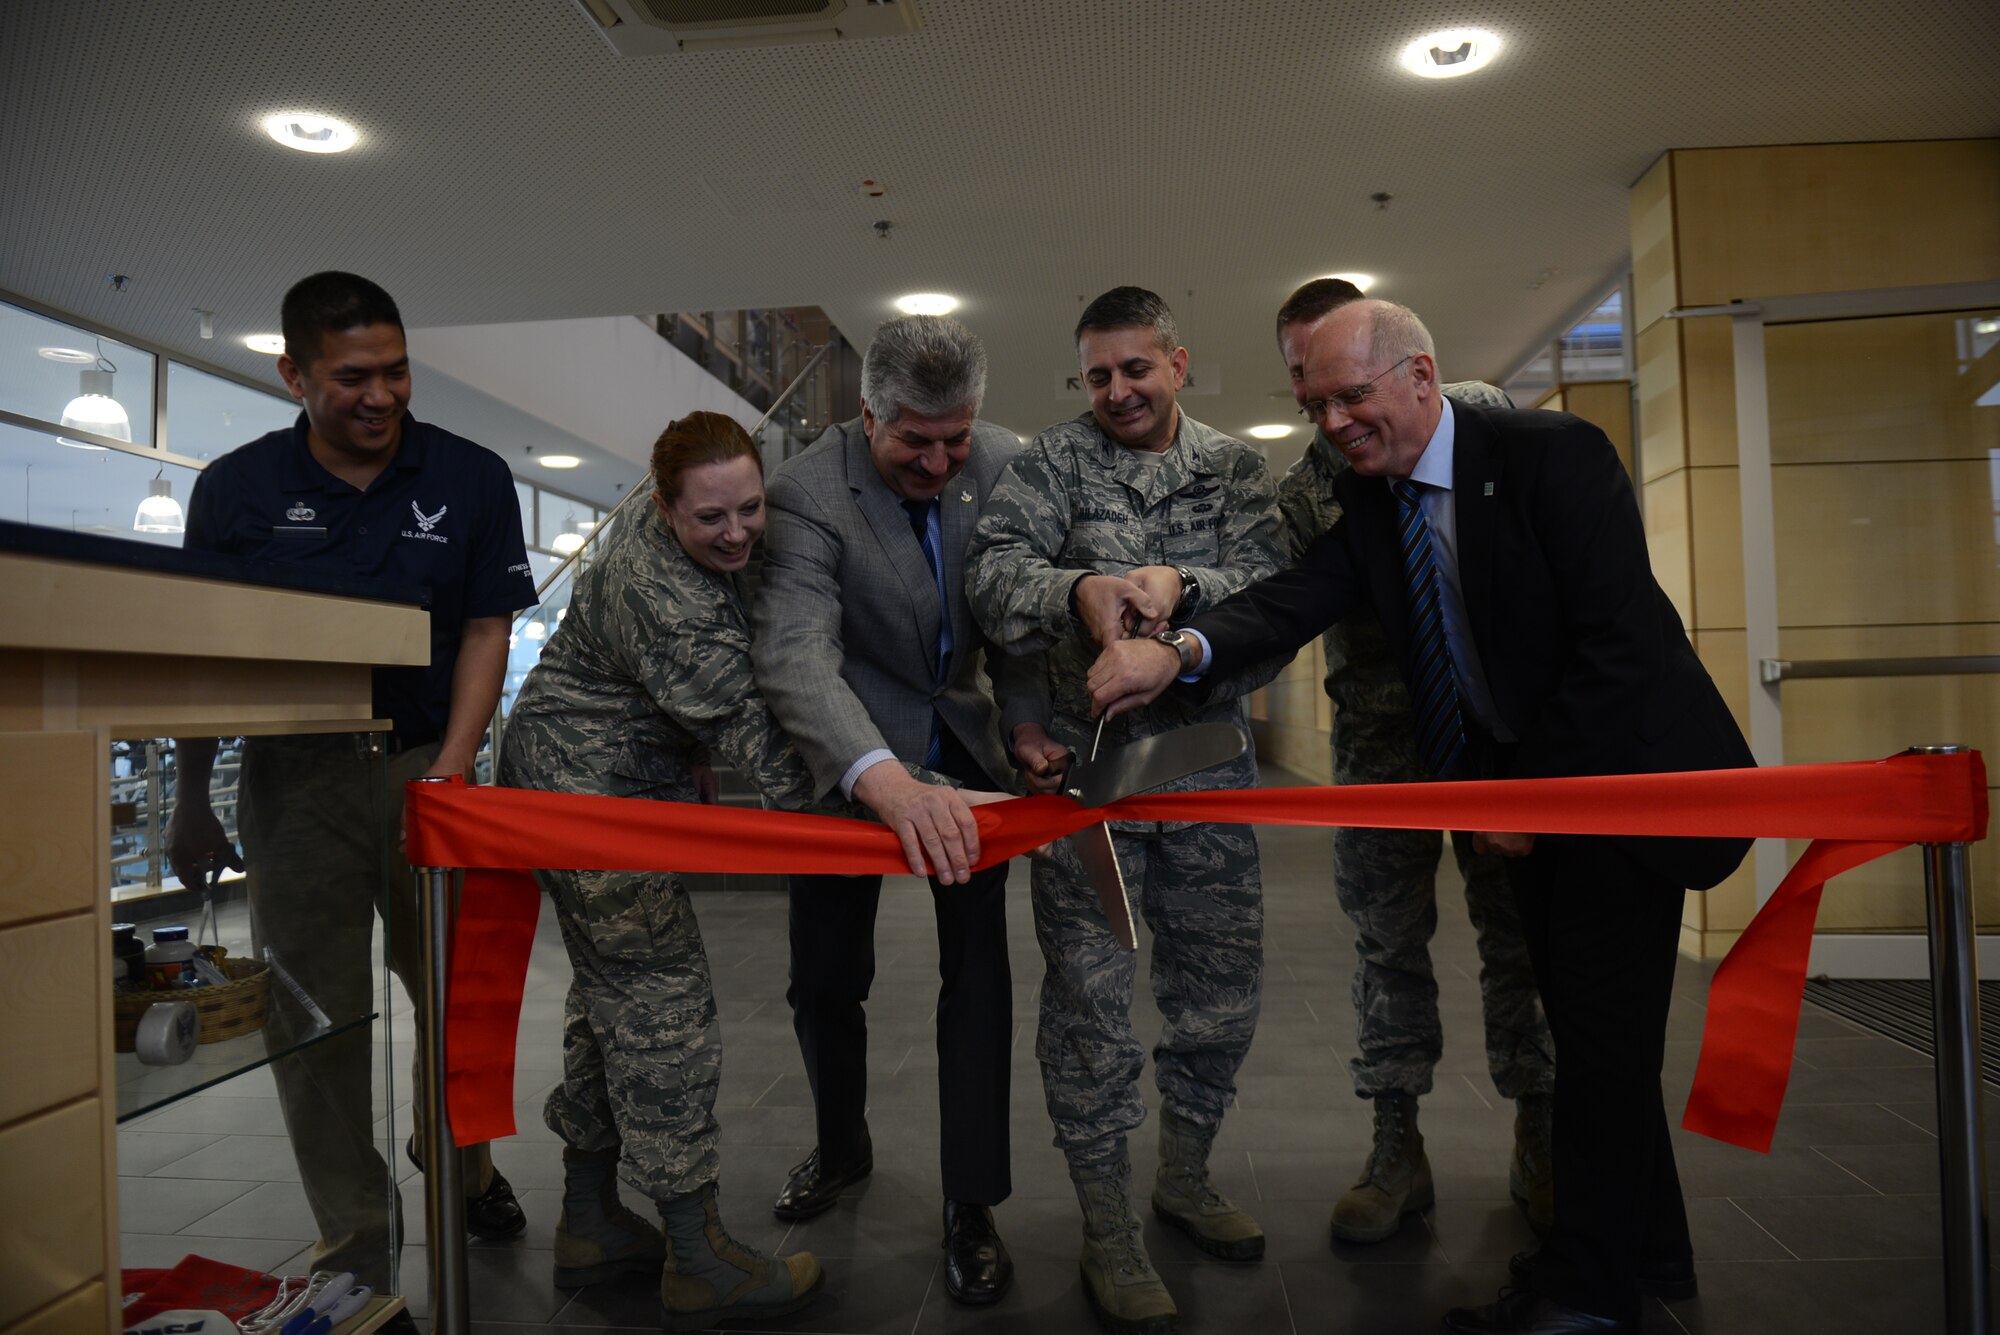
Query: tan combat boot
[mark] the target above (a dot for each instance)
(597, 1238)
(1531, 1178)
(1123, 1288)
(1396, 1180)
(710, 1276)
(1183, 1196)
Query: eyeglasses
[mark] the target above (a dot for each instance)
(1350, 398)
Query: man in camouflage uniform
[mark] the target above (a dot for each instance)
(1386, 879)
(648, 677)
(1136, 511)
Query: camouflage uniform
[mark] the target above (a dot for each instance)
(1077, 501)
(648, 675)
(1386, 880)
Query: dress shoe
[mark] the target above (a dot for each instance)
(493, 1216)
(977, 1269)
(1670, 1281)
(812, 1187)
(1522, 1312)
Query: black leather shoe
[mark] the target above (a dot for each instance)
(493, 1217)
(1522, 1312)
(1669, 1281)
(977, 1269)
(812, 1188)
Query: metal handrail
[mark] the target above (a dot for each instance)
(1775, 670)
(812, 364)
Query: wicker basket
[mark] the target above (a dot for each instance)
(226, 1012)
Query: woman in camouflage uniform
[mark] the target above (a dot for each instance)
(648, 676)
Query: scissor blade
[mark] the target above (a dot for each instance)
(1100, 868)
(1152, 761)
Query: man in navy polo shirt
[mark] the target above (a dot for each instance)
(358, 487)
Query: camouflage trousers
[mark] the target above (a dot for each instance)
(1198, 889)
(642, 1047)
(1386, 881)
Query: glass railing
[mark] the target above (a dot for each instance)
(759, 354)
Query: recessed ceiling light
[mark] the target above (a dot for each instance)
(1363, 281)
(566, 543)
(1271, 431)
(310, 133)
(927, 303)
(558, 461)
(71, 356)
(268, 344)
(1450, 53)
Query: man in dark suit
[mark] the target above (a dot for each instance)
(871, 662)
(1504, 553)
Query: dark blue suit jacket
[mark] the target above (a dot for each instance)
(1589, 664)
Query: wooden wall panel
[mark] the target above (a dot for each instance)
(49, 983)
(49, 790)
(1857, 544)
(1655, 271)
(1607, 405)
(1770, 221)
(1665, 502)
(1708, 391)
(86, 1309)
(1866, 391)
(1662, 413)
(52, 1233)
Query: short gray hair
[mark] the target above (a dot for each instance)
(1396, 333)
(926, 365)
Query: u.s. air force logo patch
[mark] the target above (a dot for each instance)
(427, 523)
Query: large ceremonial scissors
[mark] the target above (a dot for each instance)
(1120, 771)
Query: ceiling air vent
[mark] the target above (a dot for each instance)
(662, 27)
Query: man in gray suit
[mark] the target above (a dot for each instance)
(870, 660)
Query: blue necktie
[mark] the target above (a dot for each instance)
(919, 513)
(1433, 688)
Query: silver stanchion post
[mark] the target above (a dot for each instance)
(444, 1194)
(1955, 1038)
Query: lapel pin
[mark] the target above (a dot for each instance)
(965, 495)
(1489, 489)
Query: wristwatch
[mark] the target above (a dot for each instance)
(1190, 588)
(1181, 643)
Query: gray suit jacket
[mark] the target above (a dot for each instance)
(846, 620)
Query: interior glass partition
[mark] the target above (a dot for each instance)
(208, 416)
(1868, 579)
(55, 372)
(44, 482)
(1884, 437)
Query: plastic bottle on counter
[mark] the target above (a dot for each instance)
(127, 947)
(170, 959)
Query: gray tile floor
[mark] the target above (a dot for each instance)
(1837, 1229)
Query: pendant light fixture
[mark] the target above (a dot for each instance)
(94, 409)
(160, 512)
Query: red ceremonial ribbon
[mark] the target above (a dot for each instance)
(1853, 813)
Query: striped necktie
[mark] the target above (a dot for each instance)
(1433, 687)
